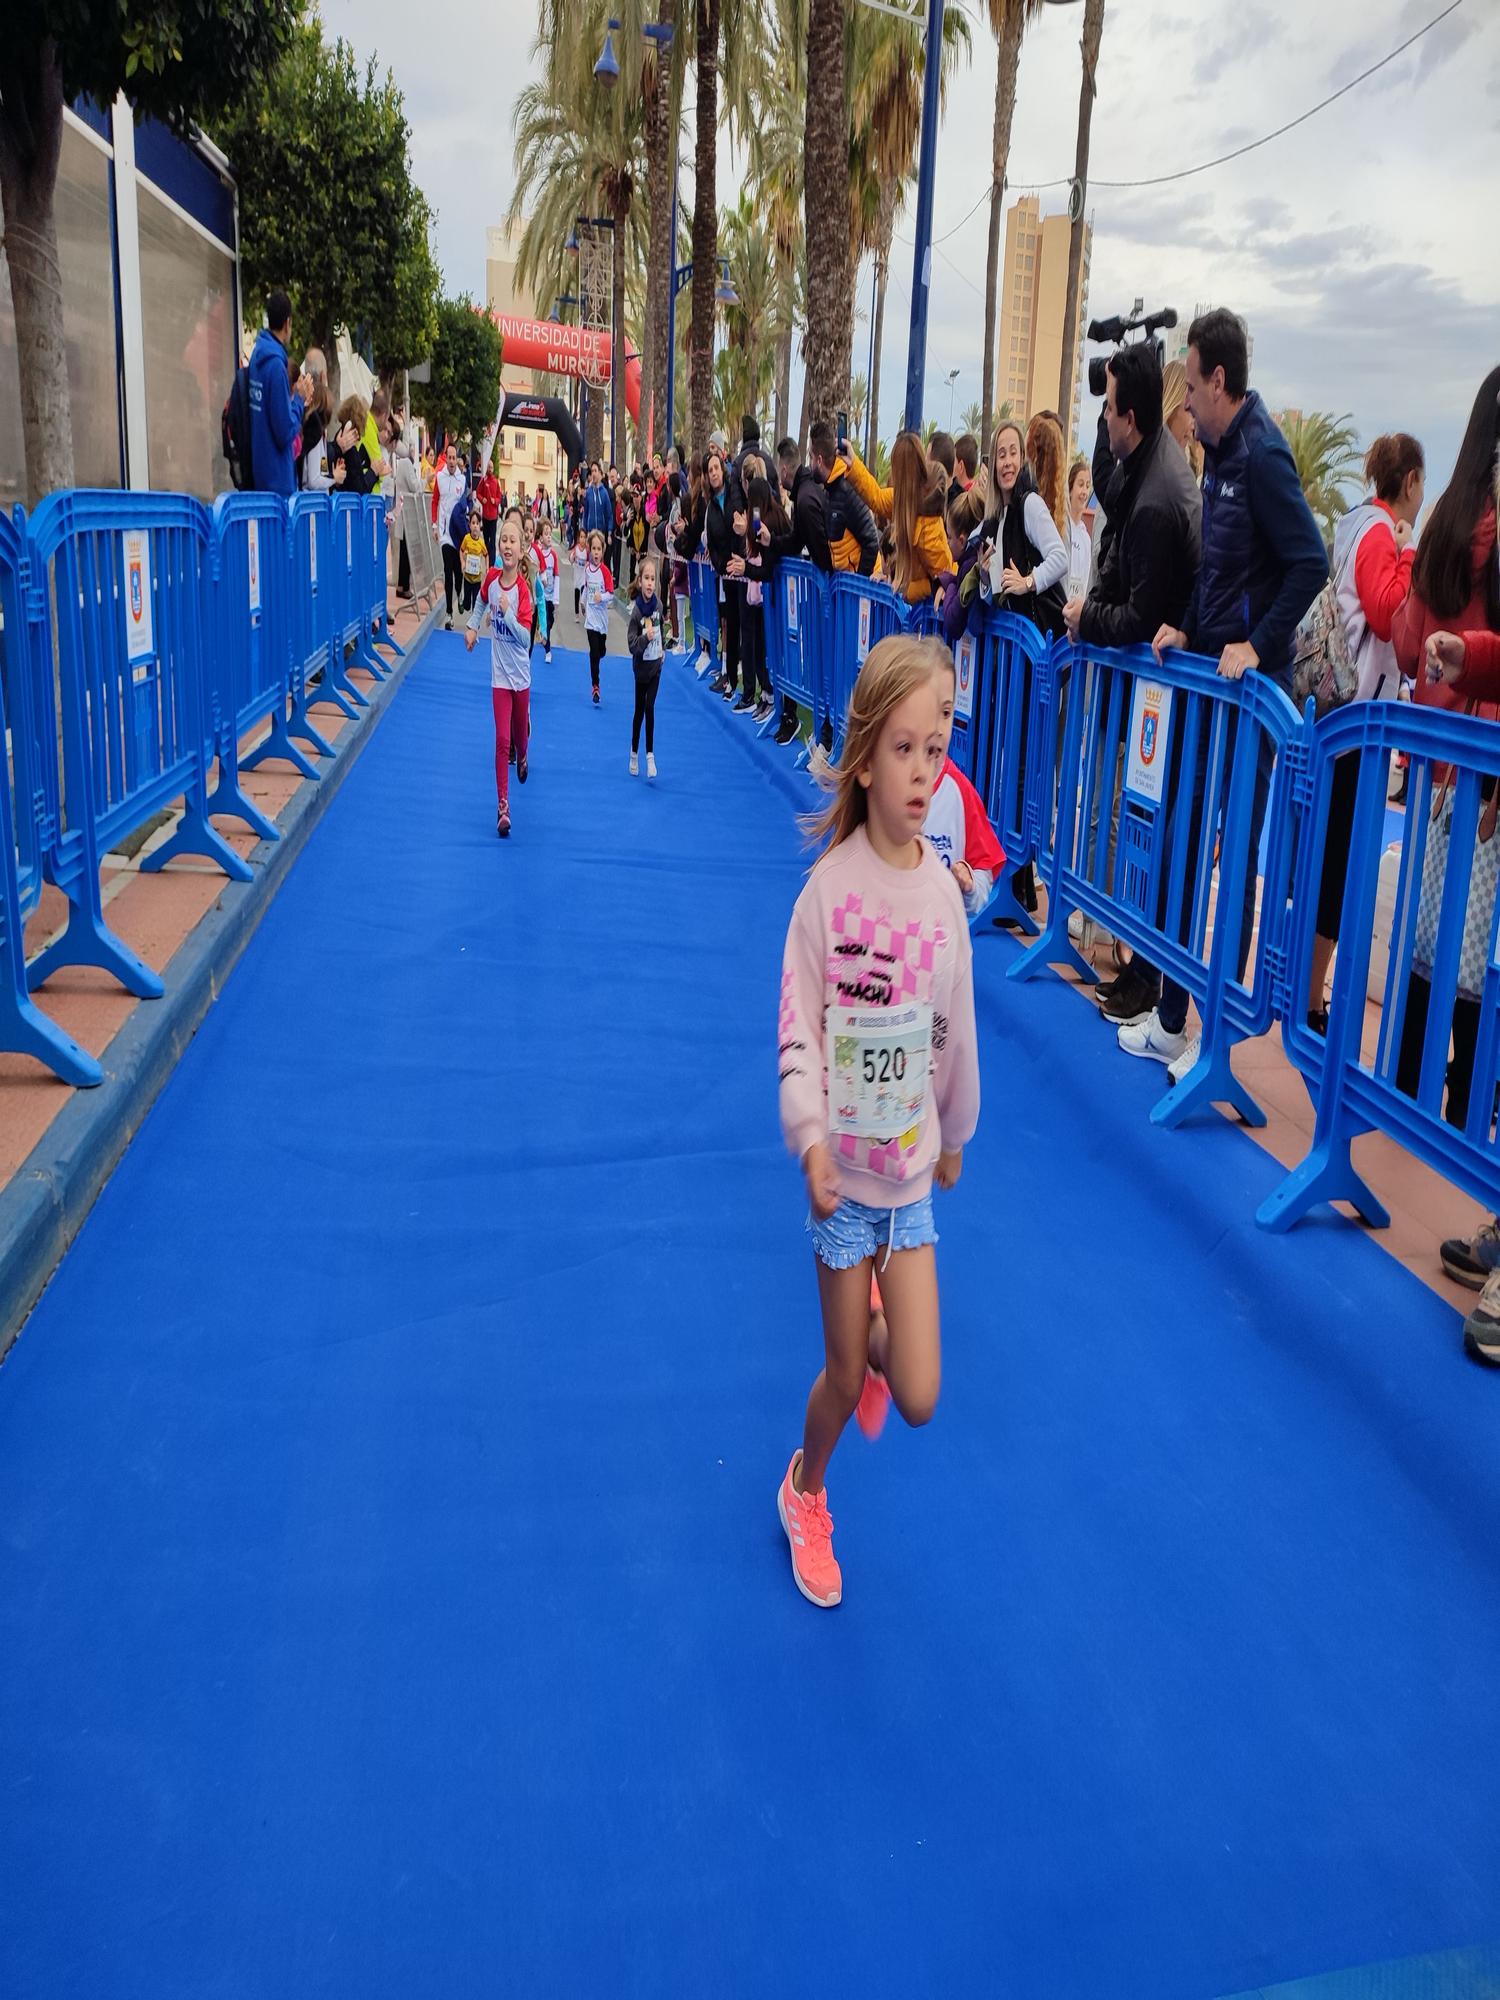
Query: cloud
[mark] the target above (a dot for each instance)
(1247, 37)
(1410, 71)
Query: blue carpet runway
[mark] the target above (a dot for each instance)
(392, 1598)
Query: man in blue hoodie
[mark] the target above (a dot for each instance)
(1263, 562)
(275, 412)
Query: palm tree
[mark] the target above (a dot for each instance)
(578, 147)
(661, 98)
(1009, 20)
(765, 111)
(859, 391)
(753, 323)
(973, 418)
(888, 64)
(1093, 30)
(825, 185)
(1325, 450)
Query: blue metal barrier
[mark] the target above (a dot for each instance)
(130, 606)
(24, 1028)
(862, 612)
(376, 582)
(1441, 981)
(346, 557)
(246, 670)
(1172, 756)
(703, 597)
(313, 645)
(1002, 659)
(797, 602)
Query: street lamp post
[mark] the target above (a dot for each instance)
(953, 374)
(916, 353)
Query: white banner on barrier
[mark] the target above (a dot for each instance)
(252, 559)
(1150, 713)
(349, 540)
(963, 663)
(864, 629)
(791, 604)
(139, 637)
(312, 554)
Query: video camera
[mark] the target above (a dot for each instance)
(1117, 331)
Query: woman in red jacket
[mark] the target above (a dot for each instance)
(1372, 563)
(1455, 589)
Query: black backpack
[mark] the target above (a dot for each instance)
(234, 430)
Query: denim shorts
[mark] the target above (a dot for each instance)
(854, 1232)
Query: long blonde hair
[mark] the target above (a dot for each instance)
(1173, 399)
(917, 487)
(896, 667)
(1046, 455)
(353, 410)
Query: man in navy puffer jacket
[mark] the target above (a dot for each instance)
(1263, 563)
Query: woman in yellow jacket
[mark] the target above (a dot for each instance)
(913, 503)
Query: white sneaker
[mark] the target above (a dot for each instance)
(635, 764)
(1179, 1067)
(1150, 1039)
(1085, 933)
(650, 765)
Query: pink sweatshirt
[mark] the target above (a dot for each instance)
(864, 934)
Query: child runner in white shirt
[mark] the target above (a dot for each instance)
(551, 581)
(598, 592)
(505, 599)
(879, 1073)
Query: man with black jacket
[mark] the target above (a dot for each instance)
(1148, 558)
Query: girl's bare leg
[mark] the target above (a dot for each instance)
(912, 1357)
(846, 1327)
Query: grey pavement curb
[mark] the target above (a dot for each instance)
(51, 1193)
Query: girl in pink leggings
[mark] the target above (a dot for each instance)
(505, 598)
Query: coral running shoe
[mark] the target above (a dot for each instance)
(809, 1529)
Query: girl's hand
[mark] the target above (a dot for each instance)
(1403, 534)
(1012, 582)
(963, 875)
(949, 1167)
(1446, 653)
(735, 566)
(470, 635)
(765, 536)
(822, 1182)
(740, 523)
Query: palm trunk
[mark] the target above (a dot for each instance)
(31, 123)
(804, 422)
(783, 384)
(705, 224)
(1093, 31)
(830, 300)
(661, 134)
(617, 410)
(886, 230)
(1007, 62)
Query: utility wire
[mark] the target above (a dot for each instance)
(1223, 159)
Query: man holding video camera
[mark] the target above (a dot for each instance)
(1262, 563)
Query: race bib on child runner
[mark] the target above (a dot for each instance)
(879, 1060)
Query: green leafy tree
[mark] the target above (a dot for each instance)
(464, 393)
(328, 209)
(972, 418)
(174, 60)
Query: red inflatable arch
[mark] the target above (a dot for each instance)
(566, 350)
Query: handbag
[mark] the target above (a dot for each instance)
(1484, 877)
(1322, 664)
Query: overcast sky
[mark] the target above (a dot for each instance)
(1363, 248)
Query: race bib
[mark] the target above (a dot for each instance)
(879, 1060)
